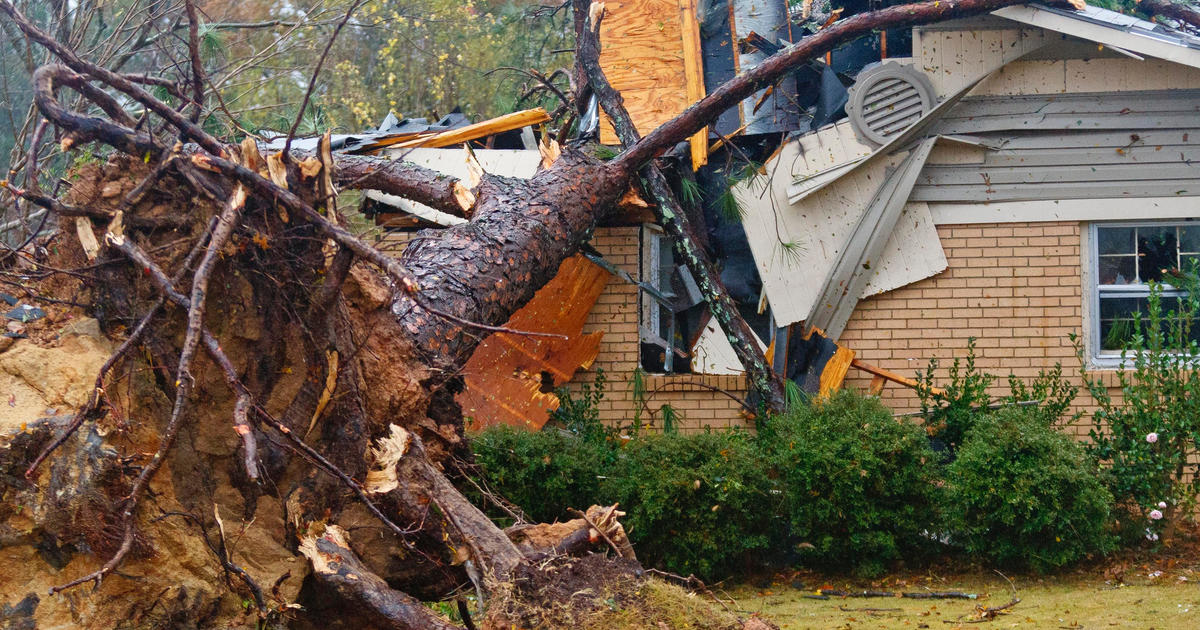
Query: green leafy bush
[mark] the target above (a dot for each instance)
(1021, 494)
(1148, 436)
(700, 503)
(858, 484)
(951, 414)
(545, 472)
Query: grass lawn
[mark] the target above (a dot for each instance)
(1152, 593)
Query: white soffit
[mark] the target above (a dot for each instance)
(1091, 24)
(453, 162)
(1066, 210)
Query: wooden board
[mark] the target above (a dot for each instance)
(510, 379)
(650, 54)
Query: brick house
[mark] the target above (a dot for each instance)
(1017, 179)
(1014, 178)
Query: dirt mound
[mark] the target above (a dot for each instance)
(45, 380)
(598, 591)
(64, 524)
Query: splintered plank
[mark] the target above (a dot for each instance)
(693, 66)
(510, 379)
(645, 57)
(507, 122)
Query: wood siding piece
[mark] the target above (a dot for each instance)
(643, 55)
(510, 378)
(848, 278)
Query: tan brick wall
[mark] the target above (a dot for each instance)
(697, 399)
(1015, 287)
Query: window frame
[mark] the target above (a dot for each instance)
(1097, 356)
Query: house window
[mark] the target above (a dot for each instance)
(1127, 257)
(668, 298)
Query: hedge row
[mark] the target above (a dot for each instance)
(837, 485)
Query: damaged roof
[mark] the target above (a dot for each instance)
(1117, 30)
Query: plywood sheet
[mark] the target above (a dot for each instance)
(510, 378)
(642, 52)
(795, 246)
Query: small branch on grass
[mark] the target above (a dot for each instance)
(869, 610)
(692, 582)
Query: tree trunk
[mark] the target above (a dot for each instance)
(364, 430)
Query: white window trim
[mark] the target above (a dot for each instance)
(1090, 254)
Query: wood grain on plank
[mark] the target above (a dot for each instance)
(642, 54)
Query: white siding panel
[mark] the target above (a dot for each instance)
(795, 246)
(713, 354)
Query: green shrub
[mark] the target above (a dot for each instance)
(1021, 494)
(699, 503)
(951, 414)
(545, 472)
(1148, 436)
(858, 484)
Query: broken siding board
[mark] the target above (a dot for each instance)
(510, 378)
(713, 354)
(912, 249)
(849, 275)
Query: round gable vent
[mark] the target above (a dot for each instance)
(887, 99)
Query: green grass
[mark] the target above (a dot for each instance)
(1167, 602)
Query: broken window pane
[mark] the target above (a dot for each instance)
(1115, 241)
(1158, 252)
(1117, 270)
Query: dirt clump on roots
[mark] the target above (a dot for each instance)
(602, 592)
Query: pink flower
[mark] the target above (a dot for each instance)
(1155, 515)
(1162, 505)
(1151, 437)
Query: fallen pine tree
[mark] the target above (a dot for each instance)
(293, 375)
